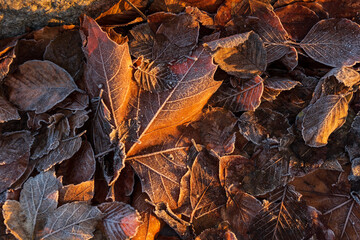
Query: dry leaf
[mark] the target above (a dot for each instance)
(322, 118)
(14, 156)
(160, 113)
(333, 42)
(75, 220)
(81, 192)
(242, 55)
(5, 61)
(284, 217)
(142, 44)
(120, 220)
(215, 234)
(39, 85)
(7, 111)
(37, 199)
(79, 168)
(245, 96)
(280, 83)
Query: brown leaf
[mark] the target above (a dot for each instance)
(271, 31)
(169, 44)
(263, 124)
(142, 44)
(201, 16)
(284, 217)
(280, 83)
(120, 220)
(160, 173)
(215, 234)
(65, 51)
(37, 199)
(160, 113)
(241, 209)
(79, 168)
(322, 118)
(245, 96)
(7, 111)
(39, 85)
(178, 6)
(14, 156)
(297, 20)
(242, 55)
(81, 192)
(333, 42)
(206, 192)
(70, 221)
(5, 61)
(324, 190)
(217, 130)
(108, 67)
(75, 101)
(344, 75)
(66, 149)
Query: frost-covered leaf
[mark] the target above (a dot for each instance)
(285, 216)
(39, 85)
(7, 111)
(81, 192)
(161, 113)
(142, 44)
(333, 42)
(14, 156)
(160, 173)
(75, 220)
(120, 221)
(242, 55)
(322, 118)
(280, 83)
(245, 96)
(37, 200)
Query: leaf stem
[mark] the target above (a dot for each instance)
(137, 10)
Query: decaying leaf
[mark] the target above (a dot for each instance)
(214, 234)
(14, 156)
(142, 44)
(160, 113)
(280, 83)
(72, 220)
(245, 96)
(242, 55)
(39, 85)
(120, 220)
(322, 118)
(160, 173)
(333, 42)
(37, 199)
(7, 111)
(81, 192)
(284, 217)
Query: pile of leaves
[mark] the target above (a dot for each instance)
(216, 119)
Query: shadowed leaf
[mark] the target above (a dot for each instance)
(333, 42)
(39, 85)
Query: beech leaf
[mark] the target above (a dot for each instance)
(246, 96)
(108, 67)
(39, 85)
(322, 118)
(7, 111)
(160, 173)
(161, 112)
(242, 55)
(280, 83)
(75, 220)
(37, 199)
(81, 192)
(120, 221)
(333, 42)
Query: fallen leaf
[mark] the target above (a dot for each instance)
(245, 96)
(37, 199)
(214, 234)
(160, 113)
(333, 42)
(39, 85)
(6, 60)
(284, 217)
(80, 167)
(280, 83)
(72, 220)
(120, 220)
(322, 118)
(7, 111)
(81, 192)
(241, 55)
(14, 156)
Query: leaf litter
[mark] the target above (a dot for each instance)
(184, 120)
